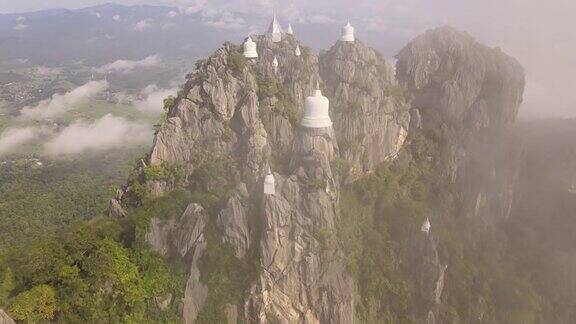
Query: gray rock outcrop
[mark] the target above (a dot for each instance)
(247, 112)
(469, 95)
(370, 113)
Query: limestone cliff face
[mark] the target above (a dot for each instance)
(245, 114)
(370, 113)
(468, 94)
(247, 111)
(304, 279)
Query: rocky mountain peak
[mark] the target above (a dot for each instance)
(465, 81)
(235, 117)
(370, 112)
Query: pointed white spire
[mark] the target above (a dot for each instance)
(426, 226)
(275, 30)
(250, 49)
(316, 110)
(269, 183)
(297, 52)
(348, 33)
(289, 30)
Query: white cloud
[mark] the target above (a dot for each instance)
(108, 132)
(116, 18)
(14, 137)
(319, 20)
(98, 15)
(20, 19)
(172, 14)
(60, 103)
(21, 26)
(143, 24)
(124, 66)
(197, 7)
(227, 20)
(151, 99)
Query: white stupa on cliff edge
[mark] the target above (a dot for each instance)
(348, 33)
(269, 183)
(250, 48)
(316, 111)
(275, 64)
(297, 52)
(289, 30)
(275, 30)
(426, 226)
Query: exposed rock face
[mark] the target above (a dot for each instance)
(233, 220)
(422, 264)
(371, 116)
(470, 94)
(304, 280)
(185, 238)
(249, 111)
(5, 319)
(467, 82)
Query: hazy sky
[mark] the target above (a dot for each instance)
(541, 34)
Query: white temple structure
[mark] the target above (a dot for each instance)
(289, 30)
(269, 183)
(275, 30)
(250, 48)
(426, 226)
(316, 111)
(348, 33)
(275, 64)
(297, 52)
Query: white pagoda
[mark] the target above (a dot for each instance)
(275, 64)
(348, 33)
(275, 30)
(250, 48)
(297, 52)
(269, 183)
(289, 30)
(316, 111)
(426, 226)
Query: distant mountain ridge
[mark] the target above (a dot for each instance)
(93, 34)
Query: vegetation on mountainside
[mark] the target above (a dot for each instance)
(86, 274)
(501, 273)
(40, 200)
(380, 214)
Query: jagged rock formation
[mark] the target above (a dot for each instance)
(244, 115)
(5, 319)
(248, 111)
(470, 94)
(370, 113)
(422, 265)
(185, 238)
(304, 280)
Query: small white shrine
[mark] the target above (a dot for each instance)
(250, 50)
(275, 30)
(269, 183)
(316, 111)
(348, 33)
(426, 226)
(289, 30)
(275, 64)
(297, 52)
